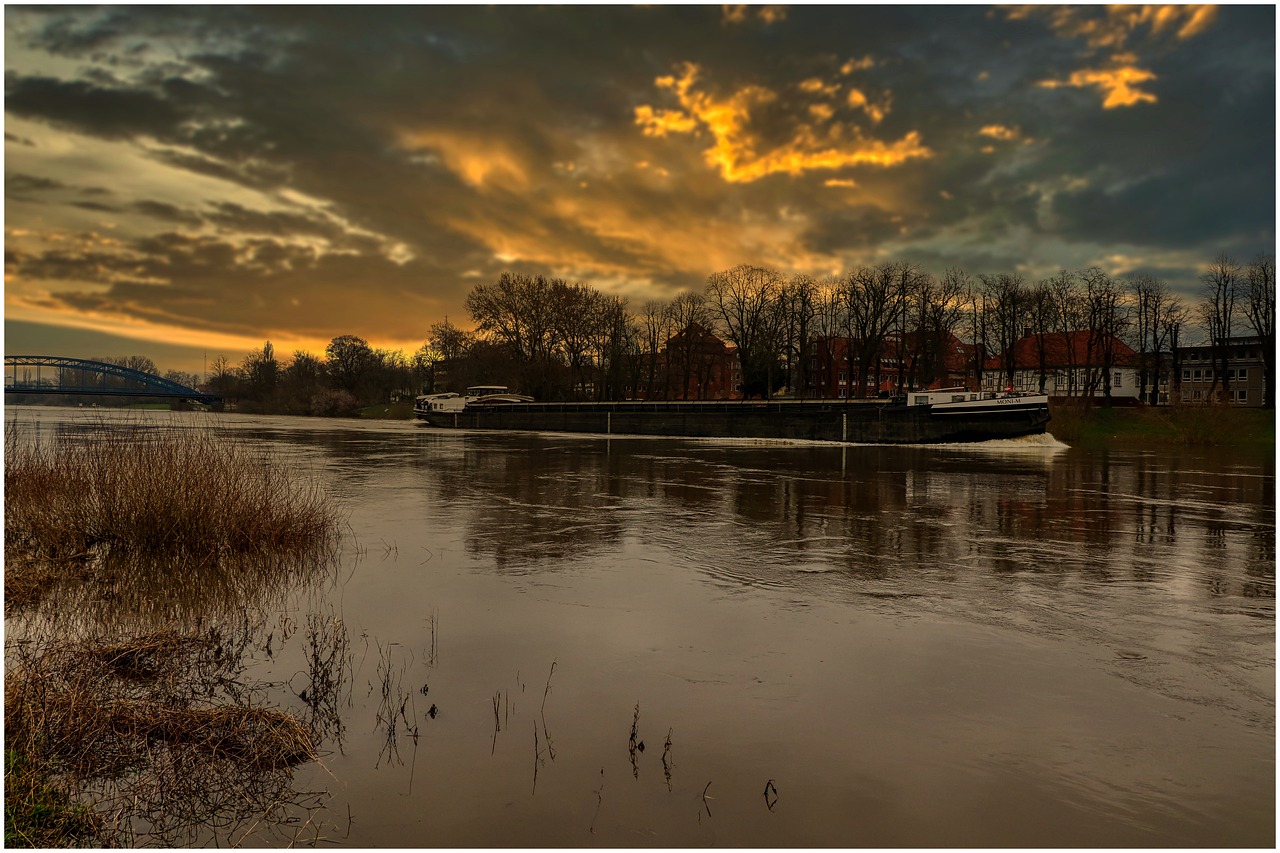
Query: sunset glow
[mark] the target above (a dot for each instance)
(210, 179)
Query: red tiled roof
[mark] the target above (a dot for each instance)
(1063, 350)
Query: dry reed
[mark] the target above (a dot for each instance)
(156, 732)
(157, 491)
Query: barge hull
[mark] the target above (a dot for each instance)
(857, 423)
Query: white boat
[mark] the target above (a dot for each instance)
(453, 402)
(960, 401)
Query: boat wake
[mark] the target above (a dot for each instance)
(1044, 442)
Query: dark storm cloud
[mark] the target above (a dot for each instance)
(167, 212)
(461, 141)
(18, 185)
(83, 106)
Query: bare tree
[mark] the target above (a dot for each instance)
(1171, 322)
(577, 312)
(1042, 316)
(655, 321)
(831, 325)
(689, 316)
(1107, 320)
(517, 313)
(1009, 307)
(614, 345)
(347, 360)
(746, 298)
(222, 377)
(944, 306)
(260, 372)
(1151, 303)
(979, 332)
(1220, 287)
(1260, 313)
(1069, 318)
(191, 380)
(873, 301)
(800, 306)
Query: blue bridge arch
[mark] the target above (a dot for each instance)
(51, 374)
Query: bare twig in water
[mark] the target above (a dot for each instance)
(536, 757)
(666, 762)
(551, 750)
(391, 709)
(433, 621)
(705, 798)
(632, 745)
(770, 789)
(497, 723)
(599, 802)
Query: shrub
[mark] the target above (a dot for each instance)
(178, 493)
(335, 404)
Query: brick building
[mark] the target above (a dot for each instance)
(833, 376)
(1071, 364)
(694, 364)
(1245, 383)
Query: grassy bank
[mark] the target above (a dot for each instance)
(135, 516)
(1248, 430)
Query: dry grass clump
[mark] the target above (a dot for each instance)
(172, 491)
(157, 732)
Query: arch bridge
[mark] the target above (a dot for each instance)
(51, 374)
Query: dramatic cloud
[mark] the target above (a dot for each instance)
(743, 152)
(221, 176)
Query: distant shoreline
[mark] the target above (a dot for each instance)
(1249, 429)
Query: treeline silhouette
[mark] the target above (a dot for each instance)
(559, 340)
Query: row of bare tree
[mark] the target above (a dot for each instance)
(558, 340)
(561, 340)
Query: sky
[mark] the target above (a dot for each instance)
(183, 182)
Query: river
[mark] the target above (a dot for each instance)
(591, 641)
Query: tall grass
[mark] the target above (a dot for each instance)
(153, 739)
(180, 493)
(155, 731)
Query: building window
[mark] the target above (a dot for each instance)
(1186, 374)
(1197, 375)
(1115, 380)
(1242, 373)
(1242, 395)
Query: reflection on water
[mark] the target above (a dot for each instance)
(1012, 644)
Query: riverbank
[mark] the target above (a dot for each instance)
(105, 723)
(1250, 430)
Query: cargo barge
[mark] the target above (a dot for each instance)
(925, 417)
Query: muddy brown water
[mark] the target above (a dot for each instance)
(1012, 644)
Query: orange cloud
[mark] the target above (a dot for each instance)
(738, 13)
(998, 131)
(739, 153)
(1118, 84)
(856, 64)
(876, 112)
(480, 161)
(1112, 27)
